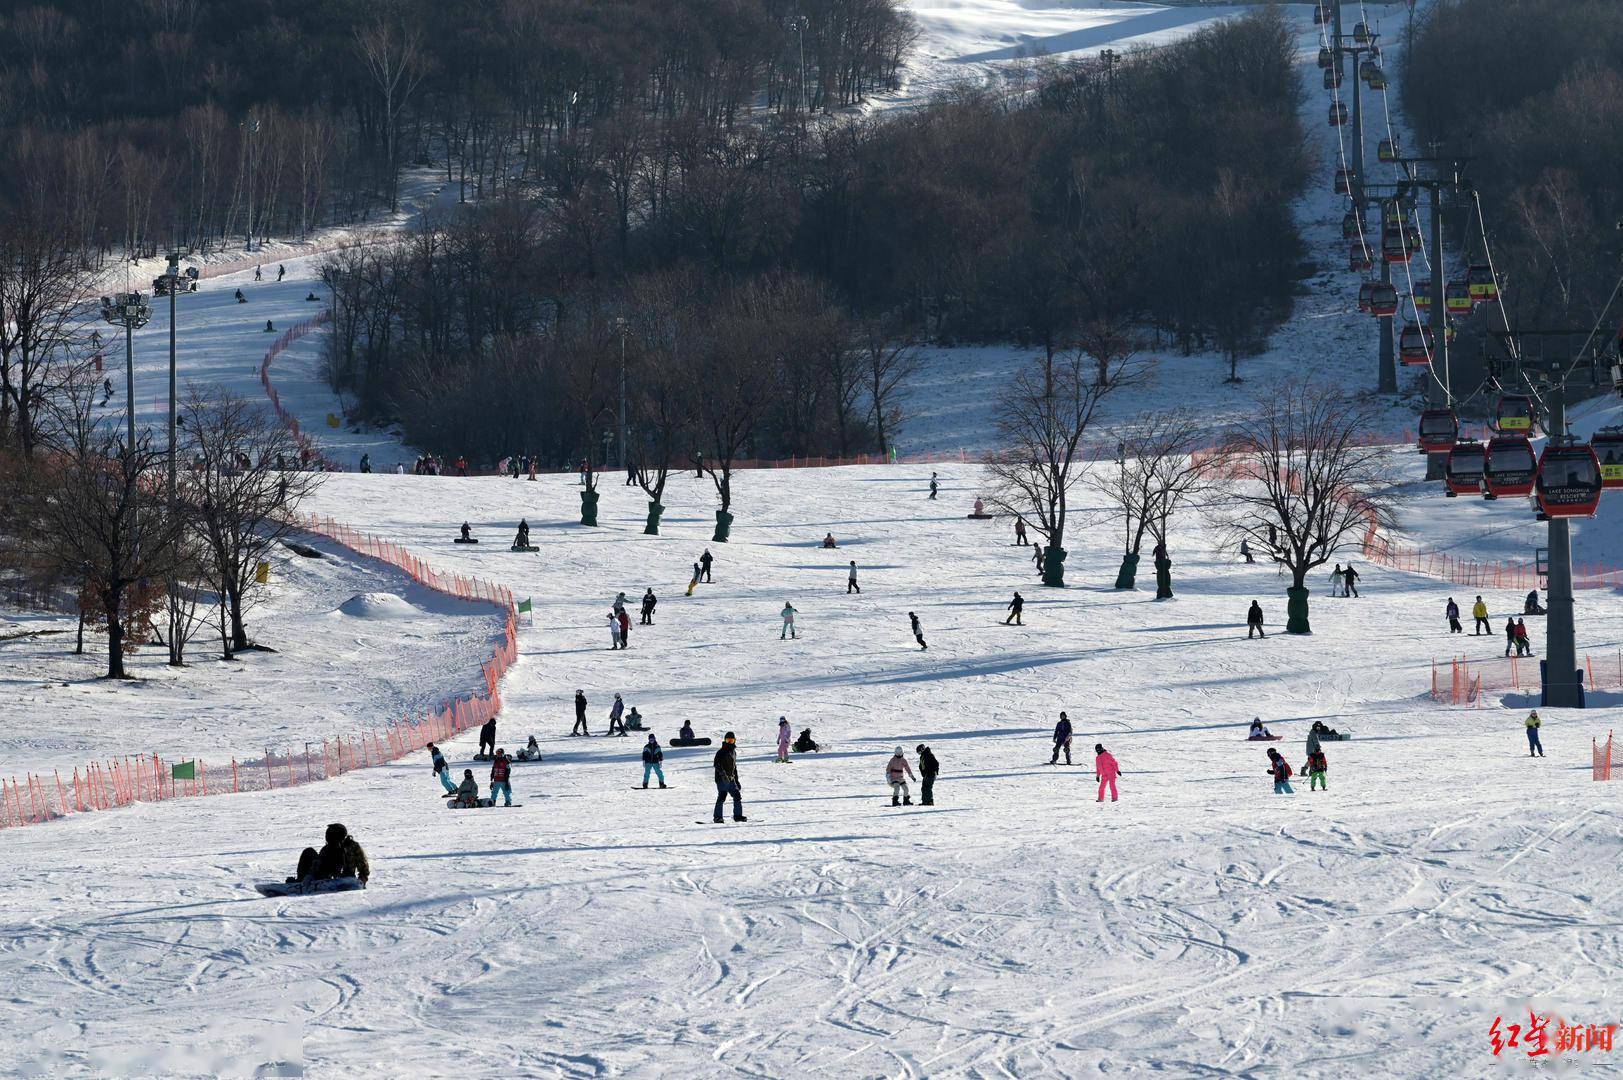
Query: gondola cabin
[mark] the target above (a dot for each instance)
(1415, 344)
(1383, 299)
(1366, 290)
(1358, 258)
(1608, 446)
(1377, 79)
(1463, 473)
(1332, 78)
(1457, 298)
(1568, 483)
(1514, 414)
(1343, 183)
(1361, 33)
(1395, 244)
(1422, 295)
(1367, 68)
(1319, 17)
(1510, 467)
(1338, 113)
(1387, 150)
(1439, 431)
(1351, 226)
(1326, 57)
(1479, 278)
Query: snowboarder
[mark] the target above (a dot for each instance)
(614, 631)
(366, 463)
(898, 772)
(788, 620)
(1016, 606)
(1037, 557)
(828, 541)
(1337, 580)
(934, 487)
(1020, 532)
(624, 621)
(1245, 551)
(1105, 770)
(1280, 770)
(1258, 732)
(281, 271)
(805, 744)
(487, 737)
(617, 713)
(580, 715)
(499, 784)
(1313, 738)
(467, 792)
(653, 760)
(341, 856)
(1524, 647)
(1062, 740)
(1253, 621)
(918, 631)
(851, 581)
(258, 274)
(634, 720)
(1533, 744)
(1317, 766)
(648, 602)
(619, 602)
(1510, 635)
(106, 391)
(467, 533)
(1349, 581)
(704, 564)
(1531, 606)
(441, 769)
(461, 466)
(531, 751)
(693, 582)
(1453, 613)
(929, 769)
(726, 767)
(522, 540)
(1479, 612)
(783, 740)
(686, 734)
(241, 299)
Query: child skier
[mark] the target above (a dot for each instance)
(1533, 743)
(499, 784)
(898, 772)
(1316, 767)
(1453, 613)
(1280, 770)
(653, 761)
(1105, 770)
(788, 621)
(783, 740)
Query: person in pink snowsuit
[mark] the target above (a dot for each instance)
(1106, 770)
(783, 738)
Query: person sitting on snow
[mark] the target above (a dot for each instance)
(686, 734)
(805, 744)
(634, 720)
(340, 857)
(1532, 606)
(828, 541)
(1257, 730)
(467, 792)
(530, 752)
(523, 538)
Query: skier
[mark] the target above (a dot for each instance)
(341, 856)
(851, 581)
(617, 725)
(1531, 606)
(653, 760)
(788, 620)
(241, 299)
(805, 744)
(1524, 647)
(1349, 581)
(366, 463)
(1245, 551)
(467, 533)
(580, 715)
(783, 740)
(258, 274)
(281, 271)
(918, 631)
(726, 766)
(531, 751)
(934, 487)
(441, 769)
(499, 784)
(487, 737)
(648, 602)
(1337, 580)
(1453, 613)
(1253, 621)
(1105, 770)
(1533, 744)
(1020, 531)
(1016, 606)
(1062, 740)
(1280, 770)
(929, 769)
(461, 466)
(1510, 636)
(704, 563)
(1479, 612)
(898, 772)
(614, 632)
(467, 792)
(624, 621)
(1317, 767)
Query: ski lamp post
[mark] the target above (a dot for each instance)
(131, 311)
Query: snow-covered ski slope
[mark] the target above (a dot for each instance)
(1201, 924)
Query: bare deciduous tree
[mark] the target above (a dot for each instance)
(1157, 471)
(42, 283)
(888, 362)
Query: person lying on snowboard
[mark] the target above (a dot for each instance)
(340, 857)
(804, 744)
(1257, 730)
(467, 792)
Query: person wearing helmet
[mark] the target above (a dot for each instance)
(500, 767)
(726, 765)
(783, 740)
(929, 769)
(341, 856)
(898, 772)
(653, 761)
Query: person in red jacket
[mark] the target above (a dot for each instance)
(462, 466)
(625, 628)
(498, 779)
(1106, 770)
(1280, 770)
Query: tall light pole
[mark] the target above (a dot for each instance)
(173, 280)
(800, 38)
(131, 311)
(623, 328)
(250, 128)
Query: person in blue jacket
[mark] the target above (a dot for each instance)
(653, 761)
(1062, 740)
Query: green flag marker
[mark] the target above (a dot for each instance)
(186, 770)
(523, 607)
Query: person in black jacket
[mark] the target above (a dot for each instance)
(918, 631)
(648, 602)
(1253, 621)
(341, 856)
(487, 737)
(1062, 740)
(580, 715)
(727, 779)
(1016, 606)
(653, 761)
(441, 769)
(704, 564)
(929, 768)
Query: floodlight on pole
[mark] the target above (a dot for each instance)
(131, 311)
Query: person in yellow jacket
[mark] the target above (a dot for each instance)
(1533, 745)
(1479, 612)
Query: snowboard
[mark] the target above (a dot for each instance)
(721, 823)
(482, 804)
(1342, 737)
(308, 888)
(524, 760)
(1265, 738)
(688, 742)
(459, 540)
(532, 549)
(639, 787)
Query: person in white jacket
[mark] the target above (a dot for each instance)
(898, 772)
